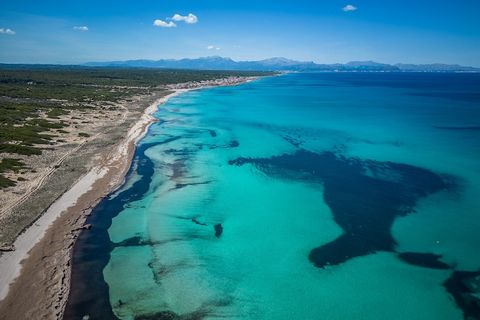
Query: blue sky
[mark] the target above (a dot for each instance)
(323, 31)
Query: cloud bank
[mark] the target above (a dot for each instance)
(349, 7)
(80, 28)
(190, 18)
(7, 31)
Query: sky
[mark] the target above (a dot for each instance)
(323, 31)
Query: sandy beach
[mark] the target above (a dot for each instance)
(38, 270)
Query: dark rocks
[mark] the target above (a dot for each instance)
(365, 197)
(196, 221)
(425, 260)
(464, 286)
(234, 144)
(218, 230)
(162, 315)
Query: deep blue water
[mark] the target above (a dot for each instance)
(306, 196)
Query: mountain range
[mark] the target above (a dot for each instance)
(282, 64)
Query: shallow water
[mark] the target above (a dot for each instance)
(306, 196)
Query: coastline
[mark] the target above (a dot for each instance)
(43, 251)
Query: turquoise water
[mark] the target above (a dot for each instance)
(304, 196)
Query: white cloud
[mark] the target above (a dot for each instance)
(190, 19)
(349, 7)
(7, 31)
(213, 48)
(164, 24)
(80, 28)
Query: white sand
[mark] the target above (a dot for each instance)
(10, 262)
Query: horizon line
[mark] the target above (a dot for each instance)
(234, 60)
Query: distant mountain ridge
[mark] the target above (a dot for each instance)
(281, 64)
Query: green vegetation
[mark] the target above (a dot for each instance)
(34, 98)
(94, 84)
(83, 134)
(19, 149)
(9, 164)
(111, 75)
(56, 113)
(5, 182)
(20, 131)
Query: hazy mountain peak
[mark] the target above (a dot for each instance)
(369, 63)
(280, 60)
(216, 62)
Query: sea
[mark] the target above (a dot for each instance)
(299, 196)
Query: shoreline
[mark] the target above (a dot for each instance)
(48, 243)
(10, 261)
